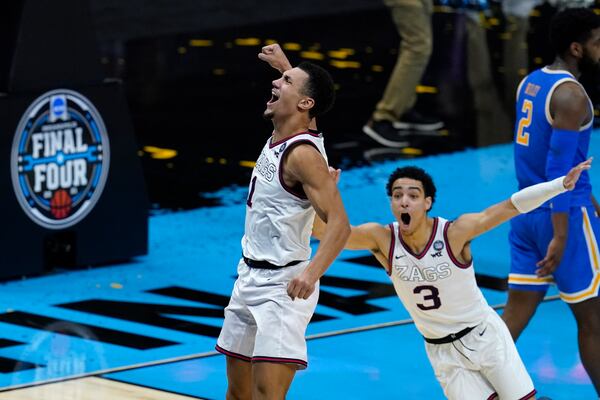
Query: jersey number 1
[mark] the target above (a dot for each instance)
(524, 123)
(252, 187)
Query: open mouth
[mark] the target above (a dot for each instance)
(274, 97)
(405, 218)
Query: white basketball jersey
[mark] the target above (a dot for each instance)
(438, 291)
(279, 219)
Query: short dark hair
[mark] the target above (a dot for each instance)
(319, 86)
(572, 25)
(416, 173)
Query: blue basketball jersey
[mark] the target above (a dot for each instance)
(533, 130)
(578, 274)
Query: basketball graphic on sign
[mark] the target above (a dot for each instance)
(59, 159)
(60, 205)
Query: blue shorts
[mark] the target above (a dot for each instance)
(578, 275)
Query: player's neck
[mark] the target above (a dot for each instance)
(418, 239)
(284, 128)
(569, 65)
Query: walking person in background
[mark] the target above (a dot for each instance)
(395, 110)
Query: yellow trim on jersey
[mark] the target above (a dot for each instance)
(524, 279)
(592, 246)
(585, 295)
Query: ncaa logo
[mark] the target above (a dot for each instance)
(60, 158)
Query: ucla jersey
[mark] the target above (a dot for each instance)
(279, 218)
(533, 130)
(439, 292)
(578, 274)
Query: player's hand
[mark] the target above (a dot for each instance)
(335, 174)
(573, 175)
(301, 286)
(275, 57)
(553, 256)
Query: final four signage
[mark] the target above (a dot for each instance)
(60, 158)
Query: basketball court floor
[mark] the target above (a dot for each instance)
(146, 329)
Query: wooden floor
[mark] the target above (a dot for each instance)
(90, 389)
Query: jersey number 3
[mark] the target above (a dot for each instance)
(432, 298)
(524, 123)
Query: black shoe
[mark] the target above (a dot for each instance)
(384, 133)
(415, 120)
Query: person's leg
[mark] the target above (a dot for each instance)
(500, 363)
(456, 373)
(587, 315)
(579, 284)
(280, 344)
(526, 289)
(519, 309)
(236, 340)
(239, 379)
(413, 21)
(271, 381)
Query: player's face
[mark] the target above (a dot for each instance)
(409, 204)
(286, 94)
(590, 62)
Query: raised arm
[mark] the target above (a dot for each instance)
(469, 226)
(306, 166)
(275, 57)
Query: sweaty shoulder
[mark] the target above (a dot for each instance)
(302, 160)
(570, 103)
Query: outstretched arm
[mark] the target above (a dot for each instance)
(370, 236)
(469, 226)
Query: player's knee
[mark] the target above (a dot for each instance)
(239, 393)
(589, 322)
(264, 390)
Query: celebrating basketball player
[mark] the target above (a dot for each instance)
(277, 288)
(430, 264)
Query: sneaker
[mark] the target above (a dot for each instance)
(384, 133)
(414, 120)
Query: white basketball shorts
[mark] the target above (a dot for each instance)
(262, 323)
(482, 365)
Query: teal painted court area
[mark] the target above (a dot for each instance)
(153, 321)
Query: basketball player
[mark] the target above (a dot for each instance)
(558, 242)
(277, 288)
(430, 264)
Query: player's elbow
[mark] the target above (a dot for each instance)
(346, 230)
(341, 224)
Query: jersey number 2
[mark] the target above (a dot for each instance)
(524, 123)
(433, 296)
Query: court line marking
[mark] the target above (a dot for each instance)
(215, 353)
